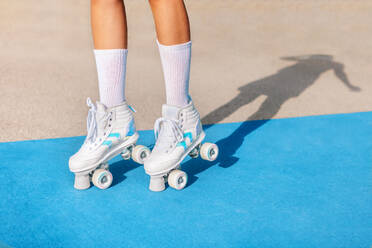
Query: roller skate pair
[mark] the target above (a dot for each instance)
(111, 131)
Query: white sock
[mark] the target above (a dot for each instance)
(111, 70)
(175, 60)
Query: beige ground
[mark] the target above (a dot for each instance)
(269, 59)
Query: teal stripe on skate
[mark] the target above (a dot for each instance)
(132, 128)
(296, 182)
(107, 143)
(131, 108)
(189, 135)
(183, 144)
(114, 135)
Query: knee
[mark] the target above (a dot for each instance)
(106, 2)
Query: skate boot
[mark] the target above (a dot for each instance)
(111, 131)
(178, 134)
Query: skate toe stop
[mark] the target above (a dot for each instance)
(157, 184)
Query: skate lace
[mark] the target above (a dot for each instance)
(167, 132)
(92, 122)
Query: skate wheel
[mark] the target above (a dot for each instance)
(104, 166)
(102, 178)
(140, 153)
(125, 154)
(194, 152)
(209, 151)
(177, 179)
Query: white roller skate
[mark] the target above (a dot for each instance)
(178, 134)
(111, 131)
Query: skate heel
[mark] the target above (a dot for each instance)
(82, 181)
(157, 183)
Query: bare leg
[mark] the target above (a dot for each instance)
(171, 21)
(109, 24)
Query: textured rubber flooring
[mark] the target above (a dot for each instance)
(299, 182)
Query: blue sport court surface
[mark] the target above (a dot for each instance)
(296, 182)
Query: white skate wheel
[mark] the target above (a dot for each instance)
(209, 151)
(102, 178)
(125, 154)
(194, 152)
(104, 166)
(140, 153)
(177, 179)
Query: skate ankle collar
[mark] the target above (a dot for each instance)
(170, 112)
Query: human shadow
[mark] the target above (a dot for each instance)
(287, 83)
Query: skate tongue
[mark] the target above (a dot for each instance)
(101, 110)
(100, 115)
(170, 112)
(100, 107)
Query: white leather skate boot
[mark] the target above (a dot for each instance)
(111, 131)
(178, 133)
